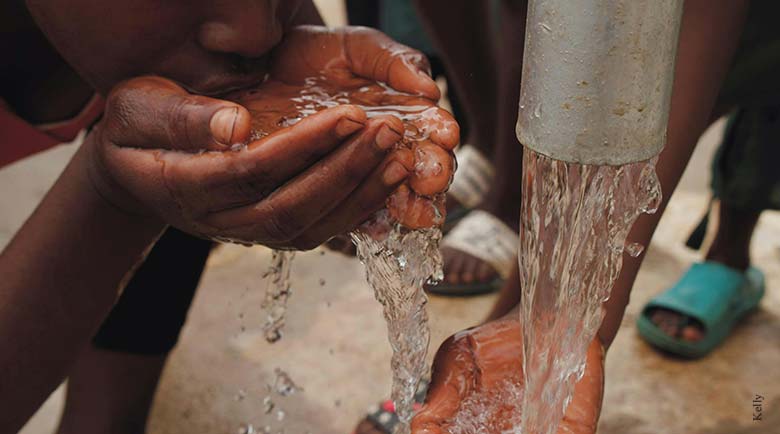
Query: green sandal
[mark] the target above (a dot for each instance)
(713, 294)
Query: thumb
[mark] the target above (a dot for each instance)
(153, 112)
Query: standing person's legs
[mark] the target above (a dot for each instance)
(746, 180)
(465, 267)
(708, 41)
(463, 33)
(112, 385)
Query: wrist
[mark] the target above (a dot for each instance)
(106, 193)
(107, 189)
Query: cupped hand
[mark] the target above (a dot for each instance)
(161, 151)
(353, 52)
(354, 59)
(485, 362)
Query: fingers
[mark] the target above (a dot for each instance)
(582, 415)
(292, 209)
(440, 127)
(373, 55)
(358, 207)
(452, 381)
(214, 181)
(152, 112)
(414, 211)
(433, 169)
(308, 50)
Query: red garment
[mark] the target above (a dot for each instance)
(19, 139)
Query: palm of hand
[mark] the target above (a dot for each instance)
(487, 361)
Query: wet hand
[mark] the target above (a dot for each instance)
(484, 360)
(355, 58)
(160, 151)
(352, 53)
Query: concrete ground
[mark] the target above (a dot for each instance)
(335, 347)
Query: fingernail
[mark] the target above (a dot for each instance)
(386, 137)
(346, 127)
(394, 173)
(223, 124)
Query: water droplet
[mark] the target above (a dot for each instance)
(280, 415)
(538, 111)
(546, 27)
(634, 249)
(246, 429)
(268, 405)
(284, 385)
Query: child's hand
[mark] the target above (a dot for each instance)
(482, 361)
(356, 51)
(353, 58)
(294, 189)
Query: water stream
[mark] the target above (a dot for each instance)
(397, 267)
(277, 293)
(574, 223)
(398, 248)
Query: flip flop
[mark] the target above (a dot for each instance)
(383, 416)
(713, 294)
(483, 236)
(469, 184)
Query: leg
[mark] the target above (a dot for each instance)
(703, 57)
(112, 385)
(462, 34)
(730, 247)
(503, 198)
(708, 41)
(110, 392)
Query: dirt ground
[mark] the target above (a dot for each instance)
(335, 347)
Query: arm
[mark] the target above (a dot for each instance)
(60, 276)
(145, 164)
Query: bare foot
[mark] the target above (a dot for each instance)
(677, 325)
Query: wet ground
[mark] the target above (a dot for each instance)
(335, 347)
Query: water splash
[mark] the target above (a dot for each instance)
(488, 413)
(277, 293)
(397, 267)
(399, 261)
(575, 220)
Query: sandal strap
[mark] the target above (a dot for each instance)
(473, 177)
(486, 237)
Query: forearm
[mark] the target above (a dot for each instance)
(60, 276)
(708, 40)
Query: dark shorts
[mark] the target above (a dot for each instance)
(153, 307)
(746, 170)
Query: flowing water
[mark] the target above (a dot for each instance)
(277, 293)
(575, 220)
(399, 261)
(397, 267)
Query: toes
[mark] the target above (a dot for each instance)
(485, 272)
(453, 265)
(667, 321)
(470, 266)
(676, 325)
(692, 333)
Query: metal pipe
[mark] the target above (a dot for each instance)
(597, 78)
